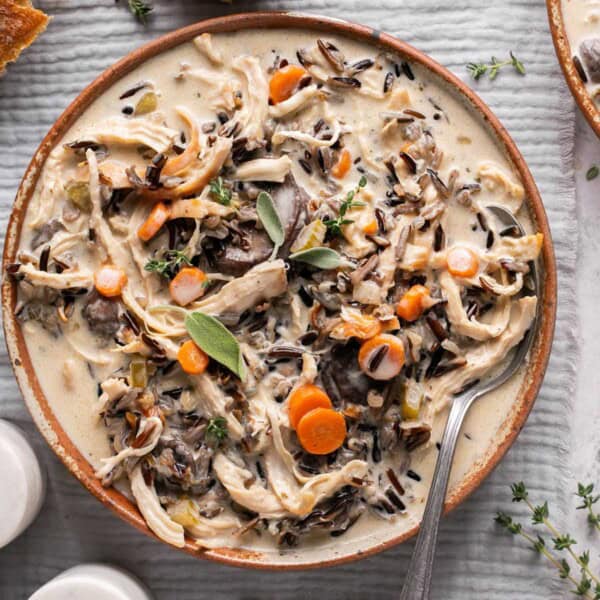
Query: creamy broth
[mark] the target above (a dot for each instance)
(582, 24)
(69, 368)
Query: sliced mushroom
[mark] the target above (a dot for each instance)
(290, 200)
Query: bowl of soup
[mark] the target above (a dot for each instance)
(246, 272)
(575, 27)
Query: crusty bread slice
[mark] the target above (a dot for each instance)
(20, 24)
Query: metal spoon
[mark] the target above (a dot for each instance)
(418, 579)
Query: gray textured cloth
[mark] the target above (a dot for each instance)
(474, 559)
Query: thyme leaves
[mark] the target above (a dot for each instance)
(478, 70)
(140, 9)
(334, 226)
(171, 263)
(574, 567)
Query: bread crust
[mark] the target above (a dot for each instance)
(20, 24)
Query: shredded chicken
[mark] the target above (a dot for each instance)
(488, 355)
(57, 281)
(147, 437)
(141, 132)
(204, 44)
(155, 515)
(264, 281)
(264, 169)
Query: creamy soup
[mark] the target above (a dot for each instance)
(254, 273)
(582, 24)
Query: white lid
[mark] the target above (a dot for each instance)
(93, 580)
(21, 481)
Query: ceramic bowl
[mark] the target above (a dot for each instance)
(565, 58)
(347, 547)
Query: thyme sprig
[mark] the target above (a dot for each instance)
(586, 584)
(217, 428)
(219, 192)
(586, 493)
(334, 226)
(492, 68)
(169, 266)
(140, 9)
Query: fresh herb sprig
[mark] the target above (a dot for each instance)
(140, 9)
(173, 260)
(334, 226)
(492, 68)
(217, 428)
(586, 583)
(586, 493)
(219, 192)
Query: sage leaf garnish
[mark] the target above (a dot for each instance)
(322, 258)
(216, 340)
(270, 220)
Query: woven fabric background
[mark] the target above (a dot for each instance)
(474, 559)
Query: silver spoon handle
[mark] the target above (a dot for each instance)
(418, 578)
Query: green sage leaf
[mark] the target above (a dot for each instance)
(216, 340)
(268, 216)
(322, 258)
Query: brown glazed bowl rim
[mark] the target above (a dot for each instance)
(565, 58)
(20, 360)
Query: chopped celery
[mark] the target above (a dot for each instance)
(138, 370)
(78, 192)
(411, 400)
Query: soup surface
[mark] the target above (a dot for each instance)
(582, 24)
(254, 273)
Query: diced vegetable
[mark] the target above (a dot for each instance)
(311, 236)
(342, 166)
(78, 192)
(321, 431)
(192, 359)
(284, 82)
(382, 357)
(411, 400)
(184, 512)
(371, 228)
(413, 303)
(146, 104)
(462, 261)
(110, 280)
(356, 324)
(158, 216)
(390, 324)
(138, 374)
(304, 399)
(188, 285)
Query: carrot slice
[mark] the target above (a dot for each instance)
(412, 304)
(158, 216)
(462, 261)
(110, 280)
(382, 357)
(304, 399)
(284, 82)
(371, 228)
(193, 360)
(188, 285)
(321, 431)
(342, 166)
